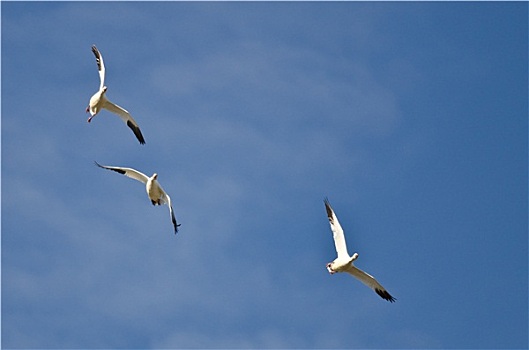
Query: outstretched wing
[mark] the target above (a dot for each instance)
(100, 66)
(371, 282)
(167, 200)
(127, 118)
(129, 172)
(337, 231)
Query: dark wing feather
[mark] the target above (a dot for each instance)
(136, 131)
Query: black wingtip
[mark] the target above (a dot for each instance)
(95, 51)
(173, 220)
(113, 169)
(385, 295)
(176, 228)
(328, 207)
(136, 130)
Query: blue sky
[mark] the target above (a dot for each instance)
(411, 117)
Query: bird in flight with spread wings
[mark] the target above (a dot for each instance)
(155, 192)
(99, 101)
(344, 262)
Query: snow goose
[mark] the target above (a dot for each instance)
(99, 100)
(155, 192)
(344, 262)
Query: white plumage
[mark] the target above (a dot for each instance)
(99, 101)
(344, 262)
(155, 192)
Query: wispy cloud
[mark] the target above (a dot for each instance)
(252, 113)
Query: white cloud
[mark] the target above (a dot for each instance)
(249, 123)
(279, 87)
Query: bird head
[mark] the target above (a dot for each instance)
(354, 257)
(154, 176)
(329, 268)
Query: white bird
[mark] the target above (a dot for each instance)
(155, 192)
(99, 100)
(344, 262)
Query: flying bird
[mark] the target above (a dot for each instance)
(344, 262)
(155, 192)
(99, 100)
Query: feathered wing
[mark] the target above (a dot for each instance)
(136, 175)
(100, 66)
(129, 172)
(126, 117)
(167, 200)
(371, 282)
(337, 231)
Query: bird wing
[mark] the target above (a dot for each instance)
(337, 232)
(126, 117)
(167, 200)
(371, 282)
(100, 66)
(129, 172)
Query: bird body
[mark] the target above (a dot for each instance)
(154, 190)
(341, 264)
(344, 262)
(98, 101)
